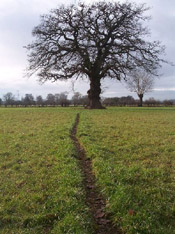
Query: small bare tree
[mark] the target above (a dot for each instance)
(140, 82)
(76, 99)
(9, 99)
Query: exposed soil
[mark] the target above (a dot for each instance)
(95, 201)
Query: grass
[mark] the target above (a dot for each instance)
(133, 155)
(40, 183)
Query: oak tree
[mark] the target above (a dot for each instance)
(97, 41)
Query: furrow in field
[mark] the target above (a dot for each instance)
(95, 201)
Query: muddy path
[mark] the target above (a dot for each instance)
(94, 199)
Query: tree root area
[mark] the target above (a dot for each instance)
(95, 201)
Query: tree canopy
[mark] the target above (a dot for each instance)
(101, 40)
(140, 82)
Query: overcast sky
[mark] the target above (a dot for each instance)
(19, 17)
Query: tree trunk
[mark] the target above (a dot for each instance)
(94, 94)
(141, 100)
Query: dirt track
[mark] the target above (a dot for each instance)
(94, 200)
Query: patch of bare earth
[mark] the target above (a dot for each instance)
(94, 199)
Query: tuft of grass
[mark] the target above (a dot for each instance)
(133, 156)
(40, 183)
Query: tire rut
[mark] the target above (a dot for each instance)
(95, 201)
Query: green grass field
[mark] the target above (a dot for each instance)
(40, 182)
(133, 156)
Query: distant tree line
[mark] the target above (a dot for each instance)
(130, 101)
(58, 99)
(61, 99)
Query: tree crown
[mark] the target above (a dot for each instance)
(140, 82)
(98, 40)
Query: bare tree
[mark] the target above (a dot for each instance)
(63, 101)
(50, 99)
(28, 100)
(9, 99)
(140, 82)
(39, 100)
(101, 40)
(76, 98)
